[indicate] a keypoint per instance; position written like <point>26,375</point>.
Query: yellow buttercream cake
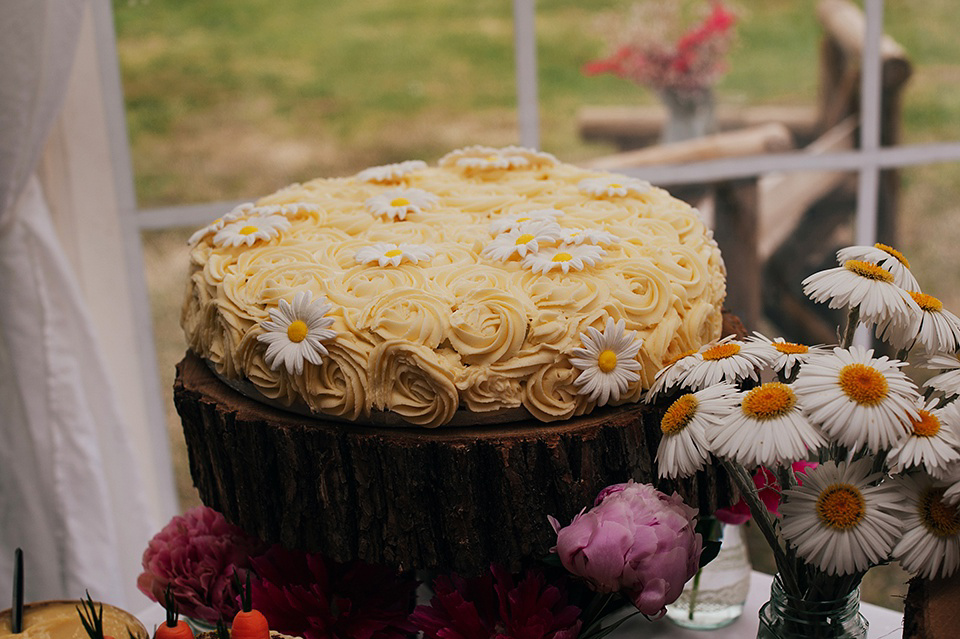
<point>498,283</point>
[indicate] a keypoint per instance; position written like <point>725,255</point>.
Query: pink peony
<point>309,596</point>
<point>496,606</point>
<point>768,489</point>
<point>197,554</point>
<point>636,540</point>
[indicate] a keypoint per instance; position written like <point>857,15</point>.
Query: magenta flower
<point>768,489</point>
<point>307,595</point>
<point>197,554</point>
<point>636,540</point>
<point>495,606</point>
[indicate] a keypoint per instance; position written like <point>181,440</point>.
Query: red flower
<point>197,554</point>
<point>767,489</point>
<point>494,606</point>
<point>307,595</point>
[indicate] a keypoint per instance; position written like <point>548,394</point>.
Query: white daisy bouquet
<point>887,478</point>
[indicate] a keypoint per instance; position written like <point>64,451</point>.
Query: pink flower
<point>767,489</point>
<point>635,539</point>
<point>495,606</point>
<point>310,596</point>
<point>197,554</point>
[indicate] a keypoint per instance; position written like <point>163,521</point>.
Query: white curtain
<point>71,494</point>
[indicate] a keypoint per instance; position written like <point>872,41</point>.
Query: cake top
<point>499,281</point>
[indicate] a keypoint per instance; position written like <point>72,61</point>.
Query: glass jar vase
<point>789,617</point>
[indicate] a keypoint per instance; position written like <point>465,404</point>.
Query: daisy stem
<point>853,319</point>
<point>594,612</point>
<point>762,517</point>
<point>879,461</point>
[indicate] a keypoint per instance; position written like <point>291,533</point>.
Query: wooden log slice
<point>447,498</point>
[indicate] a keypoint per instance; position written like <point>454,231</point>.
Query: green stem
<point>853,319</point>
<point>693,594</point>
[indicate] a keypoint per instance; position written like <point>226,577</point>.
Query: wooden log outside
<point>446,499</point>
<point>736,232</point>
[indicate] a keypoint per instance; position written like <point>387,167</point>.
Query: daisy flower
<point>783,356</point>
<point>613,186</point>
<point>238,212</point>
<point>728,360</point>
<point>863,285</point>
<point>672,374</point>
<point>389,254</point>
<point>588,236</point>
<point>485,158</point>
<point>296,332</point>
<point>839,521</point>
<point>250,230</point>
<point>683,449</point>
<point>565,258</point>
<point>516,220</point>
<point>932,441</point>
<point>882,255</point>
<point>767,429</point>
<point>857,399</point>
<point>390,173</point>
<point>930,543</point>
<point>292,208</point>
<point>947,382</point>
<point>523,240</point>
<point>938,331</point>
<point>607,362</point>
<point>396,204</point>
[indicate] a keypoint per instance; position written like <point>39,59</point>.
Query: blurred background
<point>229,100</point>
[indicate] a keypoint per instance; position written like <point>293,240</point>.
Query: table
<point>884,623</point>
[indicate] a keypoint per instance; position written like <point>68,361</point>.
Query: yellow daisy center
<point>863,384</point>
<point>841,506</point>
<point>940,518</point>
<point>894,252</point>
<point>927,303</point>
<point>523,239</point>
<point>614,185</point>
<point>927,426</point>
<point>789,348</point>
<point>562,257</point>
<point>607,361</point>
<point>769,400</point>
<point>523,219</point>
<point>393,253</point>
<point>680,413</point>
<point>399,201</point>
<point>679,357</point>
<point>297,331</point>
<point>492,158</point>
<point>721,351</point>
<point>868,271</point>
<point>247,230</point>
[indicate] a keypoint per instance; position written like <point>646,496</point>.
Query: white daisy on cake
<point>613,186</point>
<point>857,399</point>
<point>239,211</point>
<point>932,441</point>
<point>783,356</point>
<point>866,286</point>
<point>296,332</point>
<point>588,236</point>
<point>607,362</point>
<point>929,545</point>
<point>564,258</point>
<point>766,429</point>
<point>938,330</point>
<point>390,173</point>
<point>523,240</point>
<point>287,210</point>
<point>683,449</point>
<point>672,374</point>
<point>888,257</point>
<point>396,204</point>
<point>728,360</point>
<point>947,382</point>
<point>249,231</point>
<point>839,520</point>
<point>486,158</point>
<point>514,221</point>
<point>389,254</point>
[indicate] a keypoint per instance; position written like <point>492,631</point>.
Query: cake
<point>481,289</point>
<point>61,620</point>
<point>416,365</point>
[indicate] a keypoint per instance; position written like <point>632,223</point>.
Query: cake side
<point>475,308</point>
